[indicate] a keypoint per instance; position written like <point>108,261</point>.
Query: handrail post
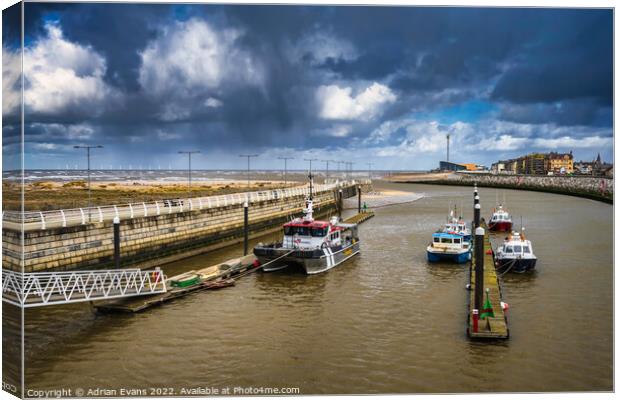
<point>64,219</point>
<point>42,221</point>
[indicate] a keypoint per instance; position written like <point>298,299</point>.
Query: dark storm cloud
<point>538,66</point>
<point>572,61</point>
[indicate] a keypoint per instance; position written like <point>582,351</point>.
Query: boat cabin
<point>517,249</point>
<point>516,245</point>
<point>302,234</point>
<point>449,240</point>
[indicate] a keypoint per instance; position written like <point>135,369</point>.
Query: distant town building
<point>559,163</point>
<point>536,164</point>
<point>595,168</point>
<point>451,166</point>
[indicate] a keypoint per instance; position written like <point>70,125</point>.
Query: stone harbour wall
<point>152,240</point>
<point>595,188</point>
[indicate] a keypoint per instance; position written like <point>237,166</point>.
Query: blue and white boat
<point>457,226</point>
<point>449,247</point>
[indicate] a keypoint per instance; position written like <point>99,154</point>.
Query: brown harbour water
<point>385,322</point>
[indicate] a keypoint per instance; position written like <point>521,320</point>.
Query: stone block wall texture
<point>148,240</point>
<point>585,186</point>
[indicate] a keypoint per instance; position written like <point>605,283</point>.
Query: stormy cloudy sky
<point>363,84</point>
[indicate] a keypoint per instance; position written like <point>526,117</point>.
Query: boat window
<point>526,249</point>
<point>517,249</point>
<point>436,240</point>
<point>446,240</point>
<point>319,232</point>
<point>457,240</point>
<point>508,249</point>
<point>289,230</point>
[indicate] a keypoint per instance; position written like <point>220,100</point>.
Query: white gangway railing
<point>35,220</point>
<point>51,288</point>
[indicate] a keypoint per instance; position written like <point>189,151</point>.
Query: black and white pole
<point>479,255</point>
<point>246,228</point>
<point>117,242</point>
<point>359,199</point>
<point>475,190</point>
<point>476,215</point>
<point>340,203</point>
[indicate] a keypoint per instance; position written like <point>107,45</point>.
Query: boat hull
<point>516,265</point>
<point>312,261</point>
<point>458,258</point>
<point>501,226</point>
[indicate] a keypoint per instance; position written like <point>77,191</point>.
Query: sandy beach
<point>384,198</point>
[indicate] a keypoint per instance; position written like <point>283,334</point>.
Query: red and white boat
<point>500,221</point>
<point>316,246</point>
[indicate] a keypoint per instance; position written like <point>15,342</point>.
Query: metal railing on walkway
<point>33,220</point>
<point>50,288</point>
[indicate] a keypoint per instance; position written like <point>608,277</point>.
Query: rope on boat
<point>262,265</point>
<point>509,268</point>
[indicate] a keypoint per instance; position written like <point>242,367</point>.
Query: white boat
<point>515,254</point>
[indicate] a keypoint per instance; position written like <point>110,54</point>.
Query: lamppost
<point>189,170</point>
<point>339,162</point>
<point>88,158</point>
<point>248,157</point>
<point>285,158</point>
<point>327,168</point>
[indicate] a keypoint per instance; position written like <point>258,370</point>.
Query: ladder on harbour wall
<point>42,220</point>
<point>45,289</point>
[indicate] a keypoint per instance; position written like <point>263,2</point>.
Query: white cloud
<point>338,103</point>
<point>45,146</point>
<point>569,142</point>
<point>339,130</point>
<point>193,58</point>
<point>11,75</point>
<point>318,47</point>
<point>501,143</point>
<point>384,131</point>
<point>213,102</point>
<point>167,135</point>
<point>60,76</point>
<point>49,131</point>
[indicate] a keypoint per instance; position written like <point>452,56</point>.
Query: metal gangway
<point>41,220</point>
<point>38,289</point>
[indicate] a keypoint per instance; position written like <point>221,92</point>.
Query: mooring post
<point>117,242</point>
<point>475,317</point>
<point>245,228</point>
<point>479,254</point>
<point>359,199</point>
<point>476,215</point>
<point>340,203</point>
<point>475,190</point>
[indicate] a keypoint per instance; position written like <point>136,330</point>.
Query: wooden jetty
<point>491,327</point>
<point>213,277</point>
<point>359,218</point>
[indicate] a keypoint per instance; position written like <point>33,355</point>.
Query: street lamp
<point>189,170</point>
<point>248,157</point>
<point>327,168</point>
<point>88,158</point>
<point>285,158</point>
